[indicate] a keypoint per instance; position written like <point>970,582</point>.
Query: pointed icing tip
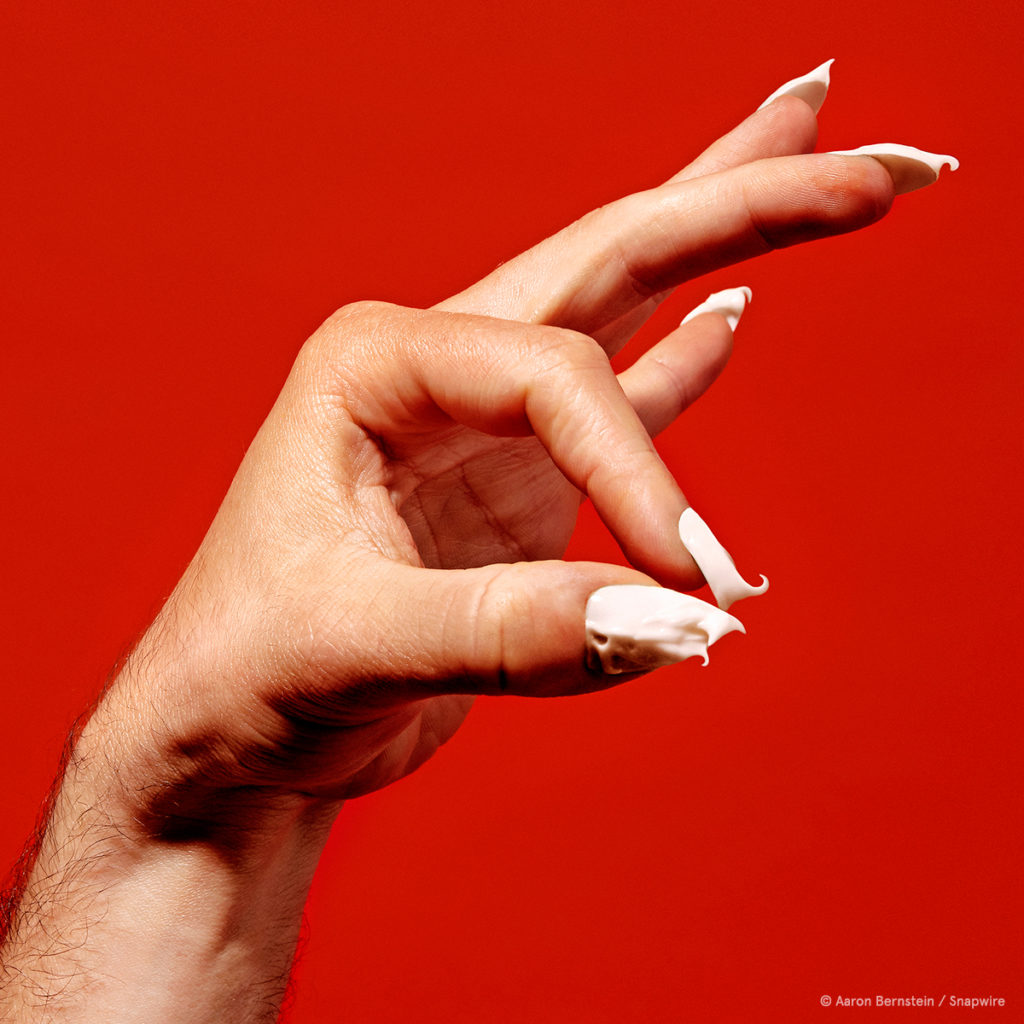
<point>715,562</point>
<point>730,302</point>
<point>909,167</point>
<point>633,628</point>
<point>812,88</point>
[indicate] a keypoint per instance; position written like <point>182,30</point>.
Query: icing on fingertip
<point>634,628</point>
<point>730,303</point>
<point>910,168</point>
<point>812,88</point>
<point>715,562</point>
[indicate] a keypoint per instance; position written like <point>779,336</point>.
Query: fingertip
<point>867,187</point>
<point>783,128</point>
<point>655,550</point>
<point>790,118</point>
<point>705,346</point>
<point>815,196</point>
<point>672,375</point>
<point>538,609</point>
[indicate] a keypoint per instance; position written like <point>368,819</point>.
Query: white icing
<point>715,562</point>
<point>636,628</point>
<point>812,87</point>
<point>730,303</point>
<point>910,168</point>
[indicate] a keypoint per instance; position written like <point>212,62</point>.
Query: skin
<point>389,549</point>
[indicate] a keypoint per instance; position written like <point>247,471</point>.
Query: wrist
<point>147,878</point>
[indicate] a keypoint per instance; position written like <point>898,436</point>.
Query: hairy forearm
<point>134,911</point>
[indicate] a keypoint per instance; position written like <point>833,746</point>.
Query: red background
<point>833,806</point>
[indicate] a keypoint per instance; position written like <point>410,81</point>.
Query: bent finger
<point>514,380</point>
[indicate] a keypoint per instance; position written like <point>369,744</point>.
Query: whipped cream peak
<point>715,562</point>
<point>910,168</point>
<point>730,302</point>
<point>812,87</point>
<point>634,628</point>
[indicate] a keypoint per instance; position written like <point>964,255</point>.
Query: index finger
<point>504,379</point>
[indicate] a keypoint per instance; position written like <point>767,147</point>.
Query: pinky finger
<point>672,375</point>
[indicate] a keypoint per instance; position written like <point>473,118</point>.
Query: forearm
<point>133,911</point>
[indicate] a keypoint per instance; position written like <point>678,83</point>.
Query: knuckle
<point>605,232</point>
<point>337,341</point>
<point>559,348</point>
<point>368,310</point>
<point>499,601</point>
<point>486,607</point>
<point>365,318</point>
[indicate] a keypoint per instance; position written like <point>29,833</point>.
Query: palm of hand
<point>475,500</point>
<point>469,500</point>
<point>435,493</point>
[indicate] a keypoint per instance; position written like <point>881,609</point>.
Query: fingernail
<point>715,562</point>
<point>730,303</point>
<point>635,628</point>
<point>812,87</point>
<point>910,168</point>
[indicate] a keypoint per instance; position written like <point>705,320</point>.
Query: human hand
<point>389,546</point>
<point>389,549</point>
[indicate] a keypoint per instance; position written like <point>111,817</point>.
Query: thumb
<point>515,628</point>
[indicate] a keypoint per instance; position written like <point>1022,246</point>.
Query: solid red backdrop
<point>832,807</point>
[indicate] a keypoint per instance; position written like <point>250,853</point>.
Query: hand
<point>387,550</point>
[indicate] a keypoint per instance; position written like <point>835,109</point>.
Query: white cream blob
<point>812,87</point>
<point>910,168</point>
<point>715,562</point>
<point>730,303</point>
<point>637,628</point>
<point>632,628</point>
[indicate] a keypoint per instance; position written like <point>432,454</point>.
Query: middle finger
<point>619,256</point>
